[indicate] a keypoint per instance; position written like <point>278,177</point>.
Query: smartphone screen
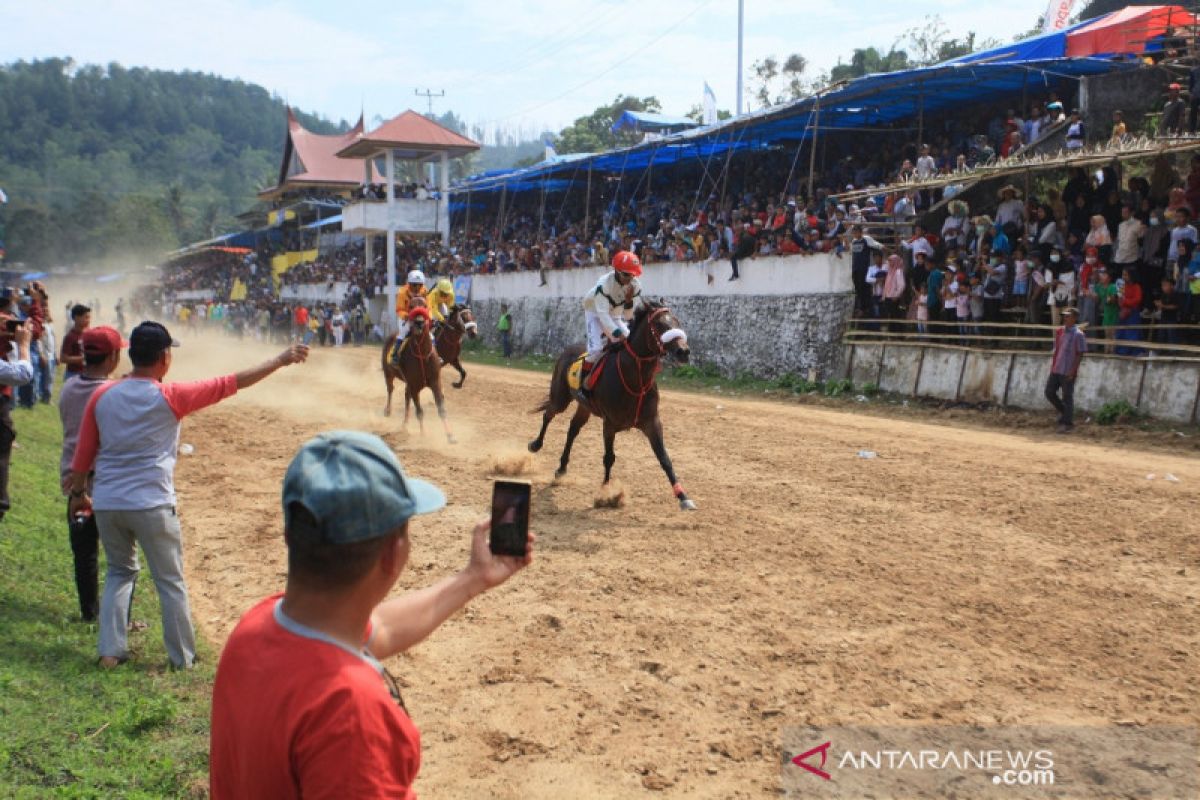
<point>510,518</point>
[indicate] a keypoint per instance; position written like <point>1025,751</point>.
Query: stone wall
<point>786,315</point>
<point>764,335</point>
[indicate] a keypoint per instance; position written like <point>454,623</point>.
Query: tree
<point>869,61</point>
<point>777,82</point>
<point>1098,8</point>
<point>593,133</point>
<point>930,43</point>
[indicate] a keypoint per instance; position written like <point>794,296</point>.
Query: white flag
<point>710,105</point>
<point>3,197</point>
<point>550,153</point>
<point>1057,15</point>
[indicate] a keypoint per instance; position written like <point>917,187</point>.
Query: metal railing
<point>1151,342</point>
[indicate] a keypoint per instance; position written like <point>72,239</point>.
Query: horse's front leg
<point>391,380</point>
<point>461,372</point>
<point>407,404</point>
<point>440,400</point>
<point>654,432</point>
<point>420,412</point>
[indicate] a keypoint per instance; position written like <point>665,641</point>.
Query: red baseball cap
<point>102,340</point>
<point>1091,251</point>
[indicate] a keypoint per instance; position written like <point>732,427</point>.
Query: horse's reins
<point>646,385</point>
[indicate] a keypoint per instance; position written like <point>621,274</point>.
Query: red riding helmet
<point>627,261</point>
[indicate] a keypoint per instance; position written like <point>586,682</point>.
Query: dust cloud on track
<point>963,576</point>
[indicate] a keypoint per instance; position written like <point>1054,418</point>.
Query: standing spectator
<point>1172,115</point>
<point>1129,238</point>
<point>861,246</point>
<point>29,302</point>
<point>102,355</point>
<point>337,324</point>
<point>71,354</point>
<point>747,245</point>
<point>1183,230</point>
<point>129,436</point>
<point>301,328</point>
<point>1168,305</point>
<point>1110,308</point>
<point>1129,297</point>
<point>302,706</point>
<point>895,289</point>
<point>14,335</point>
<point>504,325</point>
<point>1069,346</point>
<point>1075,134</point>
<point>1118,130</point>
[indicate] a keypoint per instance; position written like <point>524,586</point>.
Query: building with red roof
<point>311,162</point>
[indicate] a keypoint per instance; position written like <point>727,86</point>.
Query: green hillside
<point>109,165</point>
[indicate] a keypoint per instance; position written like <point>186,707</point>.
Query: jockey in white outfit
<point>611,304</point>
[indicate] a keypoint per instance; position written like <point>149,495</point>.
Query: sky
<point>530,65</point>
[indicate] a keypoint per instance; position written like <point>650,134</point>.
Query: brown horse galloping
<point>626,395</point>
<point>419,367</point>
<point>459,322</point>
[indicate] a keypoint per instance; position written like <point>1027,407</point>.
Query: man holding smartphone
<point>302,706</point>
<point>14,336</point>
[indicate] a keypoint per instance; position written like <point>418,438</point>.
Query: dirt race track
<point>962,576</point>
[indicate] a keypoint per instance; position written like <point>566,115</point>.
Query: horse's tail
<point>559,396</point>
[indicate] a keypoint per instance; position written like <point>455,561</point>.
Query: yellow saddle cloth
<point>574,373</point>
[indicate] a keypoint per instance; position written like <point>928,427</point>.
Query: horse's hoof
<point>535,446</point>
<point>558,473</point>
<point>686,505</point>
<point>457,385</point>
<point>451,439</point>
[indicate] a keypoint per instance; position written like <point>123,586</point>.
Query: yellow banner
<point>238,292</point>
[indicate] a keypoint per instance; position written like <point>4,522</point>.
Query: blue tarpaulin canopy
<point>645,122</point>
<point>871,102</point>
<point>321,223</point>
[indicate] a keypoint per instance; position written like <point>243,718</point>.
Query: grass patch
<point>1117,412</point>
<point>68,729</point>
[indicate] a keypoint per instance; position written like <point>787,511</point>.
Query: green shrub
<point>838,388</point>
<point>1117,412</point>
<point>869,389</point>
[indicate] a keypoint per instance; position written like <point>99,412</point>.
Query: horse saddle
<point>575,372</point>
<point>398,349</point>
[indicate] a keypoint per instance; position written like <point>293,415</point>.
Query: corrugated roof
<point>409,131</point>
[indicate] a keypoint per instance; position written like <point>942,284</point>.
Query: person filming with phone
<point>302,706</point>
<point>16,369</point>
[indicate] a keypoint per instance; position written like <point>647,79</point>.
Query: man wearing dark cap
<point>1069,346</point>
<point>101,349</point>
<point>128,436</point>
<point>302,706</point>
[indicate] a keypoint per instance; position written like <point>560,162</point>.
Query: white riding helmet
<point>416,276</point>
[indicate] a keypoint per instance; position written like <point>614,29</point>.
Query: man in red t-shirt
<point>301,705</point>
<point>71,354</point>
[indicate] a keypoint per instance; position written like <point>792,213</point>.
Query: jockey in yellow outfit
<point>441,300</point>
<point>414,288</point>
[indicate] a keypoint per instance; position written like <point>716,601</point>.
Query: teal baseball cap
<point>353,486</point>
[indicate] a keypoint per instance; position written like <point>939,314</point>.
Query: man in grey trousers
<point>129,435</point>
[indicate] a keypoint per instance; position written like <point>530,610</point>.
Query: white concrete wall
<point>195,294</point>
<point>770,275</point>
<point>410,216</point>
<point>1164,389</point>
<point>315,292</point>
